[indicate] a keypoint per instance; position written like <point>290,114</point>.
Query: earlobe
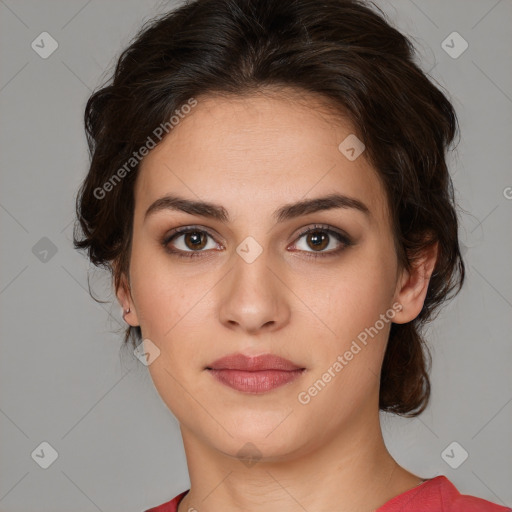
<point>413,285</point>
<point>125,300</point>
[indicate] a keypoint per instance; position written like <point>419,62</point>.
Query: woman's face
<point>251,283</point>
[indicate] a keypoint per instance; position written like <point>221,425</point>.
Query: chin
<point>267,445</point>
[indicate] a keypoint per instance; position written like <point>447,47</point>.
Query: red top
<point>437,494</point>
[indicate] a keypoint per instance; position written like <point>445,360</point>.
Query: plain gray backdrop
<point>63,378</point>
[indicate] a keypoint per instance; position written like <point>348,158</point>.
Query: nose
<point>253,297</point>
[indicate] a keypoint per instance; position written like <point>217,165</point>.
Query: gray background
<point>63,378</point>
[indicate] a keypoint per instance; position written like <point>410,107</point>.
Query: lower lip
<point>256,381</point>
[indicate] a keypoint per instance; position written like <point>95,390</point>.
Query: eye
<point>320,238</point>
<point>188,242</point>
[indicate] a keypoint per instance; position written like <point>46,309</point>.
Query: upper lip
<point>253,363</point>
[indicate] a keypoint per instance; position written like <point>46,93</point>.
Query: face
<point>254,282</point>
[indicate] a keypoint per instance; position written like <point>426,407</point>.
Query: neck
<point>352,472</point>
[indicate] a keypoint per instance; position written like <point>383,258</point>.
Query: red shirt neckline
<point>437,494</point>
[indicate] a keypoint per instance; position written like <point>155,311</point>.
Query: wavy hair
<point>342,50</point>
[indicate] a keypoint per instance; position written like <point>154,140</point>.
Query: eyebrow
<point>284,213</point>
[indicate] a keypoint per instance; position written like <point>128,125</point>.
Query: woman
<point>268,187</point>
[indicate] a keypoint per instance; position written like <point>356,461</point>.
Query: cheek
<point>172,308</point>
<point>158,291</point>
<point>355,298</point>
<point>353,306</point>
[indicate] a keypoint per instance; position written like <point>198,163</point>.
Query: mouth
<point>255,375</point>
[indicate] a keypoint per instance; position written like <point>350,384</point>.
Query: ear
<point>123,293</point>
<point>412,285</point>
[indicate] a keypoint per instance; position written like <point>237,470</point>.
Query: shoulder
<point>169,506</point>
<point>465,503</point>
<point>439,494</point>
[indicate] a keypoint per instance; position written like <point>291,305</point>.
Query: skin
<point>252,155</point>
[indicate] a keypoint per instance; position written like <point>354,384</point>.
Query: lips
<point>252,364</point>
<point>257,374</point>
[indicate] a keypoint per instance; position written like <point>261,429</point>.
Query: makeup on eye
<point>318,234</point>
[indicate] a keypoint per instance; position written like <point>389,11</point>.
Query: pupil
<point>197,239</point>
<point>318,239</point>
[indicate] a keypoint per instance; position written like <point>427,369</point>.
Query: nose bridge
<point>251,263</point>
<point>252,296</point>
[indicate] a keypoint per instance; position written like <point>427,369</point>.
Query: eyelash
<point>344,239</point>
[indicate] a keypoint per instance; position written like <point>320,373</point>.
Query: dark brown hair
<point>341,50</point>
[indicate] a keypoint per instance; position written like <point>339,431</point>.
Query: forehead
<point>269,147</point>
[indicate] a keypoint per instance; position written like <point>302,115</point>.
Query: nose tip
<point>253,298</point>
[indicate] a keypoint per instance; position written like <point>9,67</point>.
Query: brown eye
<point>195,240</point>
<point>317,240</point>
<point>322,241</point>
<point>188,242</point>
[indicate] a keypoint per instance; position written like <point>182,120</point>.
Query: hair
<point>343,51</point>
